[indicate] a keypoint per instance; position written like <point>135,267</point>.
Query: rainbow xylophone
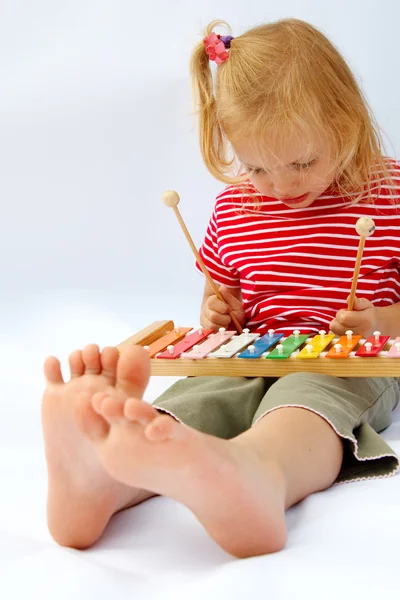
<point>187,351</point>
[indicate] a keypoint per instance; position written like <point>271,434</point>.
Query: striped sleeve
<point>222,274</point>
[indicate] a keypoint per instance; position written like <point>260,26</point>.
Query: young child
<point>281,243</point>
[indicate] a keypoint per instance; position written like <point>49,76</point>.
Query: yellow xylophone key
<point>163,342</point>
<point>344,346</point>
<point>316,345</point>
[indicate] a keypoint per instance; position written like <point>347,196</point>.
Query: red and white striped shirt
<point>295,266</point>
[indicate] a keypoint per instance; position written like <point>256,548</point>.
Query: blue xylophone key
<point>261,345</point>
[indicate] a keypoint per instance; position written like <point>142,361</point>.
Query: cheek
<point>319,180</point>
<point>260,182</point>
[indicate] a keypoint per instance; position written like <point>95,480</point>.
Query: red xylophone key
<point>373,345</point>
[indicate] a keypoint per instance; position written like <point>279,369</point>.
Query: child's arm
<point>215,313</point>
<point>367,318</point>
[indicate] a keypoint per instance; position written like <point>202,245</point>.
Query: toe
<point>52,370</point>
<point>111,407</point>
<point>89,422</point>
<point>133,371</point>
<point>162,428</point>
<point>76,364</point>
<point>91,359</point>
<point>137,410</point>
<point>97,400</point>
<point>109,360</point>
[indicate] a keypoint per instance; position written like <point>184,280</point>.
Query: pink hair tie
<point>216,47</point>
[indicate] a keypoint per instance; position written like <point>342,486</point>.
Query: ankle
<point>267,463</point>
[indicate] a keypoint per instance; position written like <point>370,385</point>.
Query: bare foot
<point>238,498</point>
<point>82,495</point>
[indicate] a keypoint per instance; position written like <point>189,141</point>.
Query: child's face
<point>296,174</point>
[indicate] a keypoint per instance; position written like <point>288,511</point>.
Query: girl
<point>281,242</point>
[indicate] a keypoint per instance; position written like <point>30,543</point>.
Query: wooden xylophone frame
<point>380,366</point>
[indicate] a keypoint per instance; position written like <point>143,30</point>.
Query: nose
<point>285,185</point>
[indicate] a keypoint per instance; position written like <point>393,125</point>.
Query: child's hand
<point>215,313</point>
<point>362,320</point>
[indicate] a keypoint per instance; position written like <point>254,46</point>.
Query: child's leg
<point>239,488</point>
<point>306,448</point>
<point>247,484</point>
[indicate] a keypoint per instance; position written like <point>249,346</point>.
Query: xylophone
<point>187,351</point>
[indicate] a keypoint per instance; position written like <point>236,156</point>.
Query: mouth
<point>297,200</point>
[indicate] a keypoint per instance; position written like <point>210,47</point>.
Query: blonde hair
<point>282,78</point>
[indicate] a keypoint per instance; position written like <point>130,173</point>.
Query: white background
<point>96,122</point>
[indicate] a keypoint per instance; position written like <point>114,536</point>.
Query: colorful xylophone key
<point>373,345</point>
<point>317,345</point>
<point>215,340</point>
<point>344,346</point>
<point>186,344</point>
<point>261,345</point>
<point>289,345</point>
<point>238,342</point>
<point>170,338</point>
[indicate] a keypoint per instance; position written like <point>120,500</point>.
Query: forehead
<point>277,152</point>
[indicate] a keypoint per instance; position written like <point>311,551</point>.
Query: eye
<point>255,170</point>
<point>304,166</point>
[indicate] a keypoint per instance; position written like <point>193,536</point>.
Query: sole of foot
<point>82,495</point>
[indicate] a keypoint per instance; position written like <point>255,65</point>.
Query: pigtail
<point>213,143</point>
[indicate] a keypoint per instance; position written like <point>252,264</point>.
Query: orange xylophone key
<point>170,338</point>
<point>343,346</point>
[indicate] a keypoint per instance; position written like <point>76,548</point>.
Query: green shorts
<point>356,408</point>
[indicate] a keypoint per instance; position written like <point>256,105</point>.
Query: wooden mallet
<point>364,227</point>
<point>171,199</point>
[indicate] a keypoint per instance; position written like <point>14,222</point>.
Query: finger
<point>206,323</point>
<point>216,319</point>
<point>217,305</point>
<point>350,318</point>
<point>362,304</point>
<point>337,328</point>
<point>232,301</point>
